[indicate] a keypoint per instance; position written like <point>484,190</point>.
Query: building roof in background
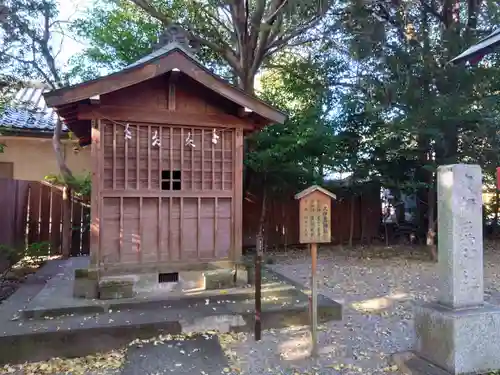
<point>478,50</point>
<point>26,109</point>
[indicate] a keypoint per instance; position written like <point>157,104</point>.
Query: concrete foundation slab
<point>411,364</point>
<point>78,327</point>
<point>461,341</point>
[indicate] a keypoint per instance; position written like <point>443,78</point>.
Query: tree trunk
<point>66,223</point>
<point>68,179</point>
<point>495,219</point>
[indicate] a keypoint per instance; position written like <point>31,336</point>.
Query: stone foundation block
<point>242,277</point>
<point>191,280</point>
<point>85,284</point>
<point>219,279</point>
<point>461,341</point>
<point>116,288</point>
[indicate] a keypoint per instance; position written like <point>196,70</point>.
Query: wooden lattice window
<point>170,180</point>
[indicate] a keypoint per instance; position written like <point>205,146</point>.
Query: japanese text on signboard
<point>315,220</point>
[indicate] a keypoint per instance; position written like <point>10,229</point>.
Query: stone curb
<point>410,364</point>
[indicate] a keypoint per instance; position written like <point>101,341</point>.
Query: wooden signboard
<point>315,227</point>
<point>315,215</point>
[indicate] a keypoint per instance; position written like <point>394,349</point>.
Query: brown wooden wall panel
<point>149,234</point>
<point>150,94</point>
<point>175,229</point>
<point>112,244</point>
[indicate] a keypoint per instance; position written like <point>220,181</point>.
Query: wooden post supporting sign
<point>315,227</point>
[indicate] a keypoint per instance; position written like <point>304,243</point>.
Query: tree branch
<point>282,40</point>
<point>152,11</point>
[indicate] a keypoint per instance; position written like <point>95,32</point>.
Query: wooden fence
<point>31,212</point>
<point>13,209</point>
<point>282,217</point>
<point>35,215</point>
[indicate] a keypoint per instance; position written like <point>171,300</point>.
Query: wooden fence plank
<point>56,221</point>
<point>13,202</point>
<point>34,213</point>
<point>45,193</point>
<point>76,226</point>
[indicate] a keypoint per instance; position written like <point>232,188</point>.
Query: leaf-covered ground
<point>375,286</point>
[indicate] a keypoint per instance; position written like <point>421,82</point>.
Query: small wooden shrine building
<point>167,151</point>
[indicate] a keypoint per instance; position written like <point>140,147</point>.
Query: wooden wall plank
<point>222,157</point>
<point>181,226</point>
<point>198,228</point>
<point>114,156</point>
<point>141,232</point>
<point>182,163</point>
<point>170,242</point>
<point>216,227</point>
<point>45,198</point>
<point>120,248</point>
<point>149,157</point>
<point>238,197</point>
<point>212,167</point>
<point>100,167</point>
<point>202,159</point>
<point>125,155</point>
<point>138,159</point>
<point>160,160</point>
<point>160,231</point>
<point>95,203</point>
<point>192,162</point>
<point>171,158</point>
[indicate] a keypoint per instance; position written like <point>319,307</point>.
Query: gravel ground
<point>376,287</point>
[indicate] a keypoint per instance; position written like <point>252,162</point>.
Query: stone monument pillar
<point>459,332</point>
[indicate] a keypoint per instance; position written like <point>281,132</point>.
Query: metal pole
<point>314,301</point>
<point>258,287</point>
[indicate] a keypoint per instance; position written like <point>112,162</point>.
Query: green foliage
<point>82,185</point>
<point>120,34</point>
<point>428,112</point>
<point>31,255</point>
<point>299,152</point>
<point>29,34</point>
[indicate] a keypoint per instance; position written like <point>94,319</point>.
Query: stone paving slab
<point>198,355</point>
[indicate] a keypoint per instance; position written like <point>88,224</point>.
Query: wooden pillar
<point>238,196</point>
<point>94,198</point>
